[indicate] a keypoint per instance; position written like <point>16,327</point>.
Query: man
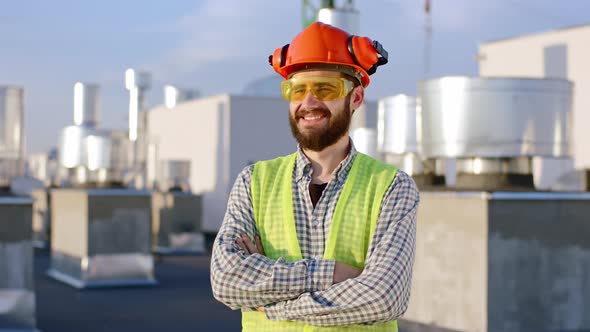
<point>322,239</point>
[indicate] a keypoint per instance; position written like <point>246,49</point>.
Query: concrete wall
<point>561,53</point>
<point>450,271</point>
<point>539,265</point>
<point>501,262</point>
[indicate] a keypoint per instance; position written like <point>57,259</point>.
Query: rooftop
<point>181,302</point>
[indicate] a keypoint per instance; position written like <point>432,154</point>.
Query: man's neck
<point>324,162</point>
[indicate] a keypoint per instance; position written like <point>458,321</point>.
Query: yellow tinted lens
<point>294,90</point>
<point>298,92</point>
<point>327,90</point>
<point>286,89</point>
<point>322,88</point>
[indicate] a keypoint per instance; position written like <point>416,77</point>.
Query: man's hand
<point>344,271</point>
<point>246,244</point>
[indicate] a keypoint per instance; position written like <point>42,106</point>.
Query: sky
<point>219,46</point>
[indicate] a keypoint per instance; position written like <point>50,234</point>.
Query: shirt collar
<point>303,165</point>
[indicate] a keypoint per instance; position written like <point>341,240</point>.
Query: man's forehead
<point>320,73</point>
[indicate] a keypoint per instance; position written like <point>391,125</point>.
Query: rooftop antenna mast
<point>427,38</point>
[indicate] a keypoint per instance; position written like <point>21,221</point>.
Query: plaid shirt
<point>302,290</point>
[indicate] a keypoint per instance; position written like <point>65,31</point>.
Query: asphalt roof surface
<point>181,302</point>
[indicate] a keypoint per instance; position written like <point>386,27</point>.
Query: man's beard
<point>318,139</point>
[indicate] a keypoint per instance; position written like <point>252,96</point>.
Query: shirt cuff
<point>320,274</point>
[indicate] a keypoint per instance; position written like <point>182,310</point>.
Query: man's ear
<point>357,97</point>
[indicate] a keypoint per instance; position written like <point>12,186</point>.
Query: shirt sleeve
<point>382,292</point>
<point>248,281</point>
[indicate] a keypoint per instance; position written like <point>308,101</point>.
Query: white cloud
<point>232,31</point>
<point>222,45</point>
<point>446,15</point>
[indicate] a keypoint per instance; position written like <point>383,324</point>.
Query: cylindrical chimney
<point>137,83</point>
<point>86,105</point>
<point>11,133</point>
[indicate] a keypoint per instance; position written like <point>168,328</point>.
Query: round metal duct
<point>72,146</point>
<point>93,156</point>
<point>467,117</point>
<point>98,149</point>
<point>396,125</point>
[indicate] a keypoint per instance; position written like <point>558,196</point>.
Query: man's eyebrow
<point>324,83</point>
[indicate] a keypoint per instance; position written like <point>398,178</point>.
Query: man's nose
<point>310,101</point>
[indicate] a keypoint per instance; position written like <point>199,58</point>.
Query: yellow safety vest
<point>350,232</point>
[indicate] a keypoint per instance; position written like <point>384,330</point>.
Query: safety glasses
<point>322,88</point>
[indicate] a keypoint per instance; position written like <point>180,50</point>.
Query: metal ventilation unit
<point>398,138</point>
<point>100,230</point>
<point>494,126</point>
<point>505,244</point>
<point>174,175</point>
<point>176,211</point>
<point>92,157</point>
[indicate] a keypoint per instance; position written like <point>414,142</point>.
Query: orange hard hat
<point>322,45</point>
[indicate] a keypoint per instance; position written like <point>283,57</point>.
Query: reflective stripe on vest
<point>350,232</point>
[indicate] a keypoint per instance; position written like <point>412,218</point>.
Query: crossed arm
<point>242,280</point>
<point>311,290</point>
<point>342,271</point>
